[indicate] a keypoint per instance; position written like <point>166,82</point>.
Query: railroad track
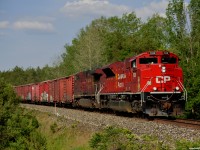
<point>189,123</point>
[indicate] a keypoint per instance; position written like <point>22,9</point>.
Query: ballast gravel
<point>166,133</point>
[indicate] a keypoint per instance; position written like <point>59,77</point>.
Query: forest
<point>106,40</point>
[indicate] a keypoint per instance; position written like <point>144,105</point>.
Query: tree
<point>194,84</point>
<point>183,38</point>
<point>68,57</point>
<point>194,13</point>
<point>86,51</point>
<point>17,128</point>
<point>176,27</point>
<point>90,49</point>
<point>152,35</point>
<point>121,37</point>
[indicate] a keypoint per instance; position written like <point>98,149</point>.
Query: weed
<point>53,127</point>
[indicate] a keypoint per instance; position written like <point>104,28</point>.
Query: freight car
<point>150,83</point>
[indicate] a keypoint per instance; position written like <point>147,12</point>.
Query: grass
<point>62,134</point>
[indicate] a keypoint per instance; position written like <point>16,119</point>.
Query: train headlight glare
<point>163,69</point>
<point>177,88</point>
<point>154,88</point>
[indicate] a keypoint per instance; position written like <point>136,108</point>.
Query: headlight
<point>163,69</point>
<point>154,88</point>
<point>177,88</point>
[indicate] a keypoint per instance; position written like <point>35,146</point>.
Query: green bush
<point>186,145</point>
<point>18,129</point>
<point>113,138</point>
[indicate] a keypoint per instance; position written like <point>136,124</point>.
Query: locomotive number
<point>162,79</point>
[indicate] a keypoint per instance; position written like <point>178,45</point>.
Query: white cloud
<point>82,8</point>
<point>4,24</point>
<point>152,8</point>
<point>33,25</point>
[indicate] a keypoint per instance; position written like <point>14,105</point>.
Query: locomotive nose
<point>163,79</point>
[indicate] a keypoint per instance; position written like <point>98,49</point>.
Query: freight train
<point>150,83</point>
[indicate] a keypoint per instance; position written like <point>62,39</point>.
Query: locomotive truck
<point>150,83</point>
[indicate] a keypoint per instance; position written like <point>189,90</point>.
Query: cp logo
<point>162,79</point>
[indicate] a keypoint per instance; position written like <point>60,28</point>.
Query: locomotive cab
<point>161,84</point>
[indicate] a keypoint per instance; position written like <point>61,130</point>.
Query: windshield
<point>168,60</point>
<point>148,60</point>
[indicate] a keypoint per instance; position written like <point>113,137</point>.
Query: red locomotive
<point>149,83</point>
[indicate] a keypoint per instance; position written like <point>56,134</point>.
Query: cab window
<point>148,60</point>
<point>168,60</point>
<point>133,64</point>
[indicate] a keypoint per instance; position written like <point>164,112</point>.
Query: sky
<point>34,32</point>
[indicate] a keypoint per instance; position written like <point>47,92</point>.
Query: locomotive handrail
<point>144,88</point>
<point>97,92</point>
<point>184,89</point>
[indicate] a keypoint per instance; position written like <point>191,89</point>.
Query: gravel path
<point>164,132</point>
